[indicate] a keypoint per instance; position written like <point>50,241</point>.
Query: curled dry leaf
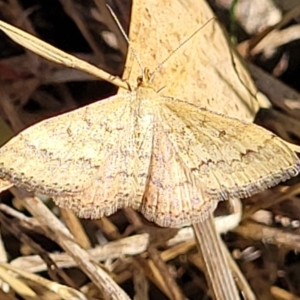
<point>205,71</point>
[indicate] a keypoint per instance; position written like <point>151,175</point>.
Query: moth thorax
<point>144,103</point>
<point>146,93</point>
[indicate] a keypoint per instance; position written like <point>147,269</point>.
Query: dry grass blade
<point>130,246</point>
<point>75,228</point>
<point>269,235</point>
<point>24,290</point>
<point>56,231</point>
<point>240,279</point>
<point>216,263</point>
<point>166,279</point>
<point>16,284</point>
<point>54,272</point>
<point>281,294</point>
<point>53,54</point>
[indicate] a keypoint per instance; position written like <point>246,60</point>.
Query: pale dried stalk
<point>167,279</point>
<point>275,236</point>
<point>17,285</point>
<point>282,294</point>
<point>24,290</point>
<point>240,279</point>
<point>76,228</point>
<point>58,56</point>
<point>216,264</point>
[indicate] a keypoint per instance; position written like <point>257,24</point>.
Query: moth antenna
<point>159,66</point>
<point>126,38</point>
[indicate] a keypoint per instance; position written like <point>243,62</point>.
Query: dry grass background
<point>265,245</point>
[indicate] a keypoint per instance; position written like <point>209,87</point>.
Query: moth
<point>165,157</point>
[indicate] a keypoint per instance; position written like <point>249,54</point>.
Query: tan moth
<point>163,156</point>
